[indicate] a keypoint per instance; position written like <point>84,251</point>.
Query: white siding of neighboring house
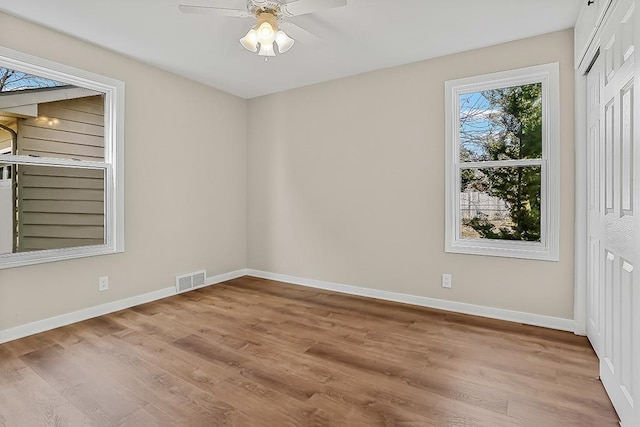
<point>61,207</point>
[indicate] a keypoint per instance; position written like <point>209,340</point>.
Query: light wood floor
<point>252,352</point>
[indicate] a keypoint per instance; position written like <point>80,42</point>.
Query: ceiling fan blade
<point>211,10</point>
<point>302,35</point>
<point>301,7</point>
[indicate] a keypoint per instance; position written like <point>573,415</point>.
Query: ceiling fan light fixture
<point>250,41</point>
<point>266,49</point>
<point>268,15</point>
<point>267,27</point>
<point>283,41</point>
<point>266,33</point>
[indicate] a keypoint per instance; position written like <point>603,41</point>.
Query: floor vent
<point>190,281</point>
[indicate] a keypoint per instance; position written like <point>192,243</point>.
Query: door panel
<point>615,232</point>
<point>626,155</point>
<point>594,317</point>
<point>612,317</point>
<point>609,310</point>
<point>609,167</point>
<point>626,338</point>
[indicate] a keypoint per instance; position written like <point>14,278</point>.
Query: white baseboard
<point>458,307</point>
<point>224,277</point>
<point>102,309</point>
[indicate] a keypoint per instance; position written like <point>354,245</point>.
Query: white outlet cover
<point>103,283</point>
<point>446,281</point>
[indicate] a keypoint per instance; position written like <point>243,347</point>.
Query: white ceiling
<point>365,35</point>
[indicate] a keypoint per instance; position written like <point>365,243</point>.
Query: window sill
<point>522,250</point>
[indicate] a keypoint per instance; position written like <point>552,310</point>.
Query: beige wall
<point>185,186</point>
<point>346,184</point>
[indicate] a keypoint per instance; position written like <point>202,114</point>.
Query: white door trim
<point>580,249</point>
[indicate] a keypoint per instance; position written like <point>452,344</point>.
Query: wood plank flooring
<point>254,352</point>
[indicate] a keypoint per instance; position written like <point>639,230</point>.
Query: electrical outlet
<point>446,281</point>
<point>103,283</point>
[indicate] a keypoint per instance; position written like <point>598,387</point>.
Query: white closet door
<point>595,291</point>
<point>611,318</point>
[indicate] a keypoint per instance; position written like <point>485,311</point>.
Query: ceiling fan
<point>269,15</point>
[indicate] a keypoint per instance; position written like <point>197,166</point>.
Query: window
<point>61,176</point>
<point>502,152</point>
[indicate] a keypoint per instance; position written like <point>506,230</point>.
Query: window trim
<point>113,164</point>
<point>548,247</point>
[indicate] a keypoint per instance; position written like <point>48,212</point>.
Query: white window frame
<point>547,248</point>
<point>113,164</point>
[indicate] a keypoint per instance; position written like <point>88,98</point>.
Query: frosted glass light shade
<point>266,49</point>
<point>250,41</point>
<point>266,33</point>
<point>283,41</point>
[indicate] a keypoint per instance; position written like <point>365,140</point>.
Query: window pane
<point>500,203</point>
<point>17,81</point>
<point>46,118</point>
<point>50,207</point>
<point>501,124</point>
